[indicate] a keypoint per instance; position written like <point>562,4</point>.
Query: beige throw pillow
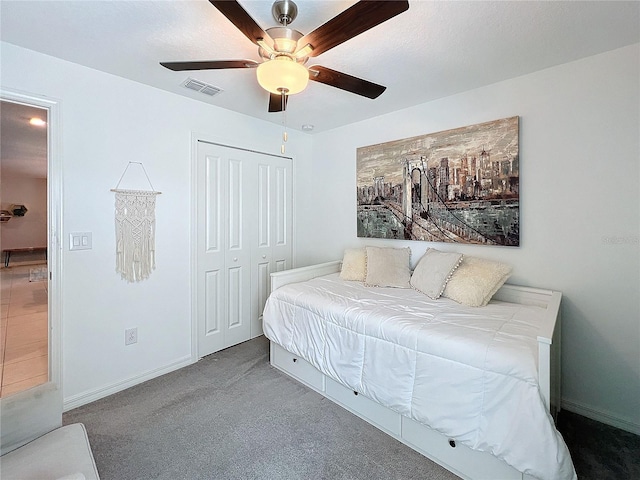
<point>388,267</point>
<point>434,271</point>
<point>354,264</point>
<point>476,280</point>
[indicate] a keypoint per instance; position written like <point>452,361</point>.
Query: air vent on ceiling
<point>201,87</point>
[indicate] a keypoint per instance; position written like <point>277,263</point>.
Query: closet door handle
<point>264,256</point>
<point>235,259</point>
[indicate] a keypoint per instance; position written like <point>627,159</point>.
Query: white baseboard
<point>78,400</point>
<point>600,416</point>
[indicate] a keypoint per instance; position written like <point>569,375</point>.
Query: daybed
<point>473,389</point>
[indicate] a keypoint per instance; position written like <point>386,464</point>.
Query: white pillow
<point>434,271</point>
<point>354,264</point>
<point>475,281</point>
<point>388,267</point>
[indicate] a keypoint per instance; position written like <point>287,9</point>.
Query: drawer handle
<point>295,360</point>
<point>264,256</point>
<point>452,443</point>
<point>355,393</point>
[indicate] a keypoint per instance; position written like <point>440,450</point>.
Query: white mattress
<point>467,372</point>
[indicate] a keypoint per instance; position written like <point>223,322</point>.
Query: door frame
<point>197,137</point>
<point>51,415</point>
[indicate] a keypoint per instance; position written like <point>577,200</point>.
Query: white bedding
<point>467,372</point>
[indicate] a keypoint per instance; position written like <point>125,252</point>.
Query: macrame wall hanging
<point>135,230</point>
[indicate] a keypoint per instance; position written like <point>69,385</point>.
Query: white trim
<point>32,412</point>
<point>91,396</point>
<point>294,224</point>
<point>56,242</point>
<point>193,231</point>
<point>600,416</point>
<point>54,221</point>
<point>302,274</point>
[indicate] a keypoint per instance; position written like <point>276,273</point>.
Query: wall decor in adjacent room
<point>459,185</point>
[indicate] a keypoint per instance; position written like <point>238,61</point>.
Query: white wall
<point>31,229</point>
<point>107,121</point>
<point>580,210</point>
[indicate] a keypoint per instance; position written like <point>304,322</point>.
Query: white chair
<point>62,454</point>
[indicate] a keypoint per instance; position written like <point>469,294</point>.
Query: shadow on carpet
<point>233,416</point>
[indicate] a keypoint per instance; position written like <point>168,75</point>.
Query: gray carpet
<point>233,416</point>
<point>600,452</point>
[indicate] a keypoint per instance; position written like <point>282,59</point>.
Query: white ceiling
<point>23,147</point>
<point>435,49</point>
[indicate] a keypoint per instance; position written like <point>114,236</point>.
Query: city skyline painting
<point>459,185</point>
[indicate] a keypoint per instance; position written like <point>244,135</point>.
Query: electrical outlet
<point>130,336</point>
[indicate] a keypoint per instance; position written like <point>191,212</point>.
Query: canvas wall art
<point>459,185</point>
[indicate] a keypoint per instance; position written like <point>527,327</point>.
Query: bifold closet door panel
<point>240,193</point>
<point>282,234</point>
<point>272,248</point>
<point>210,263</point>
<point>261,249</point>
<point>223,247</point>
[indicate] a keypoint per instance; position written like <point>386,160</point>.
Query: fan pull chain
<point>283,99</point>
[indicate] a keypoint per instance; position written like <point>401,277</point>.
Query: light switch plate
<point>80,241</point>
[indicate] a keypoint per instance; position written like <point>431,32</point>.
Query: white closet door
<point>224,228</point>
<point>238,247</point>
<point>210,283</point>
<point>282,233</point>
<point>272,249</point>
<point>261,248</point>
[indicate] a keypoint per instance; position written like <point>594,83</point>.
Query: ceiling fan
<point>284,51</point>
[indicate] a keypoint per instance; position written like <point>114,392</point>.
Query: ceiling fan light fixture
<point>285,40</point>
<point>287,45</point>
<point>282,74</point>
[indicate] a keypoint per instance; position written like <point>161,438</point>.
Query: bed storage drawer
<point>373,412</point>
<point>454,456</point>
<point>297,367</point>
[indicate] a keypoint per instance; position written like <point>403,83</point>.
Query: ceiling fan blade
<point>346,82</point>
<point>209,65</point>
<point>358,18</point>
<point>241,19</point>
<point>275,102</point>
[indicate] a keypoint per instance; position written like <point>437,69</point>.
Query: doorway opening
<point>24,277</point>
